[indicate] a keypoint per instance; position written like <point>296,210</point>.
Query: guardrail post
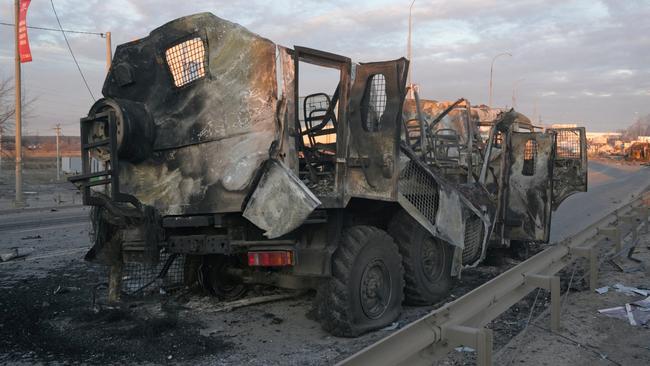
<point>646,214</point>
<point>552,284</point>
<point>630,219</point>
<point>592,255</point>
<point>614,234</point>
<point>478,338</point>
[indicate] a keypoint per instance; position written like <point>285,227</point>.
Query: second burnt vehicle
<point>209,152</point>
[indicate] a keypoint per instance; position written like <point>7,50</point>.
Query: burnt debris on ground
<point>39,325</point>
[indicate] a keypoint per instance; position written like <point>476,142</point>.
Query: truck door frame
<point>373,157</point>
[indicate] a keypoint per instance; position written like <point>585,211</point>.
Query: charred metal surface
<point>210,137</point>
<point>280,202</point>
<point>445,208</point>
<point>203,157</point>
<point>528,186</point>
<point>570,163</point>
<point>375,122</point>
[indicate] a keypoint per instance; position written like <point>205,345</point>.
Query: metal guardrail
<point>462,321</point>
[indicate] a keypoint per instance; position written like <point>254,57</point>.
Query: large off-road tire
<point>365,290</point>
<point>427,261</point>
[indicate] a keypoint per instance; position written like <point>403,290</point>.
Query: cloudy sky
<point>574,61</point>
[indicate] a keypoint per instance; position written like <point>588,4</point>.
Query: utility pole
<point>19,202</point>
<point>409,54</point>
<point>109,51</point>
<point>492,72</point>
<point>1,130</point>
<point>58,152</point>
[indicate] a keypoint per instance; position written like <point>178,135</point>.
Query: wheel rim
<point>433,259</point>
<point>375,289</point>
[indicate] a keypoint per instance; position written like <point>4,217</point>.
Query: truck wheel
<point>217,280</point>
<point>365,289</point>
<point>427,261</point>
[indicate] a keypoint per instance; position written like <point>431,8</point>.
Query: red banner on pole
<point>23,41</point>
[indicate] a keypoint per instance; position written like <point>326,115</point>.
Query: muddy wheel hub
<point>375,289</point>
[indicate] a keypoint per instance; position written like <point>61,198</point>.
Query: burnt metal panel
<point>570,163</point>
<point>210,136</point>
<point>447,210</point>
<point>374,127</point>
<point>187,221</point>
<point>280,202</point>
<point>199,244</point>
<point>528,190</point>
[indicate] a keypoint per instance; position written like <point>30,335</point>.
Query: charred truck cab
<point>209,152</point>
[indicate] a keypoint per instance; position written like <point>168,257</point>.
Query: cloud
<point>573,54</point>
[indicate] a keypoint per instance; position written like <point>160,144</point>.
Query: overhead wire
<point>57,30</point>
<point>71,52</point>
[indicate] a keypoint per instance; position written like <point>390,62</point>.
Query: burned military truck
<point>211,153</point>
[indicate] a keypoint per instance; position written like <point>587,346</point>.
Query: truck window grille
<point>530,157</point>
<point>186,61</point>
<point>374,103</point>
<point>420,189</point>
<point>567,144</point>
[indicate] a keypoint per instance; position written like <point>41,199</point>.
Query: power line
<point>58,30</point>
<point>70,49</point>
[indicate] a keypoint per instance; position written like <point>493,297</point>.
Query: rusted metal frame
<point>488,153</point>
<point>418,342</point>
<point>421,119</point>
<point>111,174</point>
<point>344,65</point>
<point>470,142</point>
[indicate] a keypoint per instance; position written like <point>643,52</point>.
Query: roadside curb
<point>33,209</point>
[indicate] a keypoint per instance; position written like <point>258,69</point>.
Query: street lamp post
<point>408,52</point>
<point>492,72</point>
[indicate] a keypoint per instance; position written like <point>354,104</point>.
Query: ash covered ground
<point>52,308</point>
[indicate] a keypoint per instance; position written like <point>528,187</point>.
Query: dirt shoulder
<point>586,336</point>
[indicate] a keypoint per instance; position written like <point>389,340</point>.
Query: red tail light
<point>270,259</point>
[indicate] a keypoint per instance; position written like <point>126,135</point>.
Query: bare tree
<point>7,104</point>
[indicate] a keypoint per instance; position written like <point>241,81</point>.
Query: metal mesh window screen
<point>530,157</point>
<point>374,102</point>
<point>420,189</point>
<point>137,275</point>
<point>567,144</point>
<point>473,239</point>
<point>186,61</point>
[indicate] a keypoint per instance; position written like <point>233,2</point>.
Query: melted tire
<point>366,263</point>
<point>422,288</point>
<point>217,281</point>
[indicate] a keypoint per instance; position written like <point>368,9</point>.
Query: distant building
<point>603,143</point>
<point>564,125</point>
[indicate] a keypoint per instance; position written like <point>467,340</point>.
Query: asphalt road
<point>610,186</point>
<point>60,239</point>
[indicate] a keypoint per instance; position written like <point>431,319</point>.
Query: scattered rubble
<point>636,313</point>
<point>15,253</point>
<point>630,291</point>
